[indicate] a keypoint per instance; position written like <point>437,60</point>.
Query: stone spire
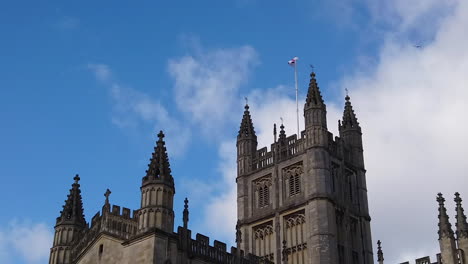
<point>70,223</point>
<point>350,132</point>
<point>246,144</point>
<point>315,116</point>
<point>185,214</point>
<point>159,168</point>
<point>462,228</point>
<point>380,257</point>
<point>350,121</point>
<point>72,212</point>
<point>157,192</point>
<point>446,237</point>
<point>246,130</point>
<point>462,225</point>
<point>314,97</point>
<point>445,228</point>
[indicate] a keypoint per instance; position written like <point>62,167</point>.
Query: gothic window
<point>262,190</point>
<point>340,254</point>
<point>355,257</point>
<point>293,179</point>
<point>264,241</point>
<point>295,235</point>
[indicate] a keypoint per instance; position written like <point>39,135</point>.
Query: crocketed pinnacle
<point>246,128</point>
<point>349,117</point>
<point>185,214</point>
<point>73,209</point>
<point>445,228</point>
<point>282,135</point>
<point>462,226</point>
<point>159,163</point>
<point>379,251</point>
<point>314,97</point>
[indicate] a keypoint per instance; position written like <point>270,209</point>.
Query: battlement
<point>293,146</point>
<point>426,260</point>
<point>120,224</point>
<point>200,248</point>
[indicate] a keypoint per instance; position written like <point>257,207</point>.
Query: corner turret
<point>157,192</point>
<point>68,225</point>
<point>350,132</point>
<point>315,116</point>
<point>246,144</point>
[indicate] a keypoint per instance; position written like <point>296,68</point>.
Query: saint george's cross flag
<point>292,62</point>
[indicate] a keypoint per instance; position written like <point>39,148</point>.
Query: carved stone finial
<point>185,217</point>
<point>107,194</point>
<point>380,257</point>
<point>284,253</point>
<point>238,234</point>
<point>76,178</point>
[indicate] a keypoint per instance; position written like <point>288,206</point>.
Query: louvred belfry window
<point>262,191</point>
<point>293,179</point>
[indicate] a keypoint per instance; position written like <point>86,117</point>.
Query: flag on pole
<point>292,62</point>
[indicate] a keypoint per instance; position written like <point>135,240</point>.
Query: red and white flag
<point>292,62</point>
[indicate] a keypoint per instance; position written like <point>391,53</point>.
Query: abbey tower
<point>305,200</point>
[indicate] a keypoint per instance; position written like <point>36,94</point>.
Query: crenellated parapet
<point>425,260</point>
<point>121,224</point>
<point>200,248</point>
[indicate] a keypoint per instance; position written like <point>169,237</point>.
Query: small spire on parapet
<point>185,217</point>
<point>282,135</point>
<point>445,228</point>
<point>462,225</point>
<point>380,257</point>
<point>274,132</point>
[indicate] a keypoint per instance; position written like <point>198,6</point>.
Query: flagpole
<point>297,103</point>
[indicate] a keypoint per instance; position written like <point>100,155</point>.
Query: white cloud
<point>412,109</point>
<point>207,84</point>
<point>412,106</point>
<point>102,72</point>
<point>29,241</point>
<point>132,108</point>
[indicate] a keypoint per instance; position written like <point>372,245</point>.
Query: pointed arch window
<point>262,187</point>
<point>293,178</point>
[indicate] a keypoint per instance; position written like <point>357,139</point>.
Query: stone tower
<point>68,226</point>
<point>305,200</point>
<point>157,192</point>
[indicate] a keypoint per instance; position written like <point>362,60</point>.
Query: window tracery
<point>295,237</point>
<point>264,241</point>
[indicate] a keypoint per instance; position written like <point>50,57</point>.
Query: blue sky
<point>85,87</point>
